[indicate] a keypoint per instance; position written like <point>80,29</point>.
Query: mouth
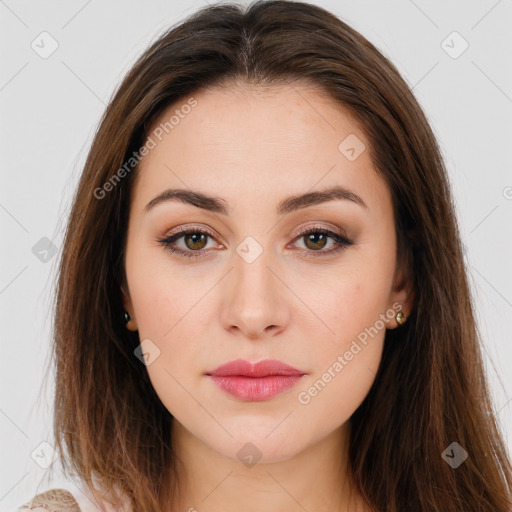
<point>255,382</point>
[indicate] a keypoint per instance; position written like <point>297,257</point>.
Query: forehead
<point>250,144</point>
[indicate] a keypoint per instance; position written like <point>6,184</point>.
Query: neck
<point>316,478</point>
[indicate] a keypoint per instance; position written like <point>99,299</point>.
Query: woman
<point>262,302</point>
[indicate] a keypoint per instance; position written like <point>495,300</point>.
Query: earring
<point>128,322</point>
<point>400,318</point>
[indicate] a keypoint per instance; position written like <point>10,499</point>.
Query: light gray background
<point>50,109</point>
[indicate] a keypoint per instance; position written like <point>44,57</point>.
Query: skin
<point>254,148</point>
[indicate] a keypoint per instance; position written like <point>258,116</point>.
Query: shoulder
<point>52,500</point>
<point>80,499</point>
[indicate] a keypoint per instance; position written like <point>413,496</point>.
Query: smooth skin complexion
<point>300,301</point>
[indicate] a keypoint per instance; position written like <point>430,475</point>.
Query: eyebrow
<point>288,205</point>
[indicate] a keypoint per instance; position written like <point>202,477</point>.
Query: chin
<point>259,445</point>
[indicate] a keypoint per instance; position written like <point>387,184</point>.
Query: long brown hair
<point>430,390</point>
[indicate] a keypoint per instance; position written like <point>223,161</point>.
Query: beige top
<point>65,500</point>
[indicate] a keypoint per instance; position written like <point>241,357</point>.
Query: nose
<point>255,303</point>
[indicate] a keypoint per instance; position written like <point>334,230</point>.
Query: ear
<point>128,307</point>
<point>402,295</point>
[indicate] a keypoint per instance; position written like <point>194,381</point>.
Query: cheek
<point>170,306</point>
<point>169,314</point>
<point>346,361</point>
<point>331,396</point>
<point>160,293</point>
<point>348,302</point>
<point>173,320</point>
<point>348,355</point>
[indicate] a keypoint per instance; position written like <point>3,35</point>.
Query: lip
<point>255,381</point>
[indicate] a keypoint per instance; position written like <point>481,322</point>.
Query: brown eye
<point>195,240</point>
<point>316,241</point>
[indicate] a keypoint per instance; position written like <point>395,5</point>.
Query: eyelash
<point>341,241</point>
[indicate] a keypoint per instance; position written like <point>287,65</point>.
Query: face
<point>258,275</point>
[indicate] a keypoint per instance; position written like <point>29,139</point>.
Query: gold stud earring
<point>128,322</point>
<point>400,318</point>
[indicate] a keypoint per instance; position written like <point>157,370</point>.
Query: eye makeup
<point>312,235</point>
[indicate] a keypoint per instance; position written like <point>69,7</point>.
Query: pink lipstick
<point>255,381</point>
